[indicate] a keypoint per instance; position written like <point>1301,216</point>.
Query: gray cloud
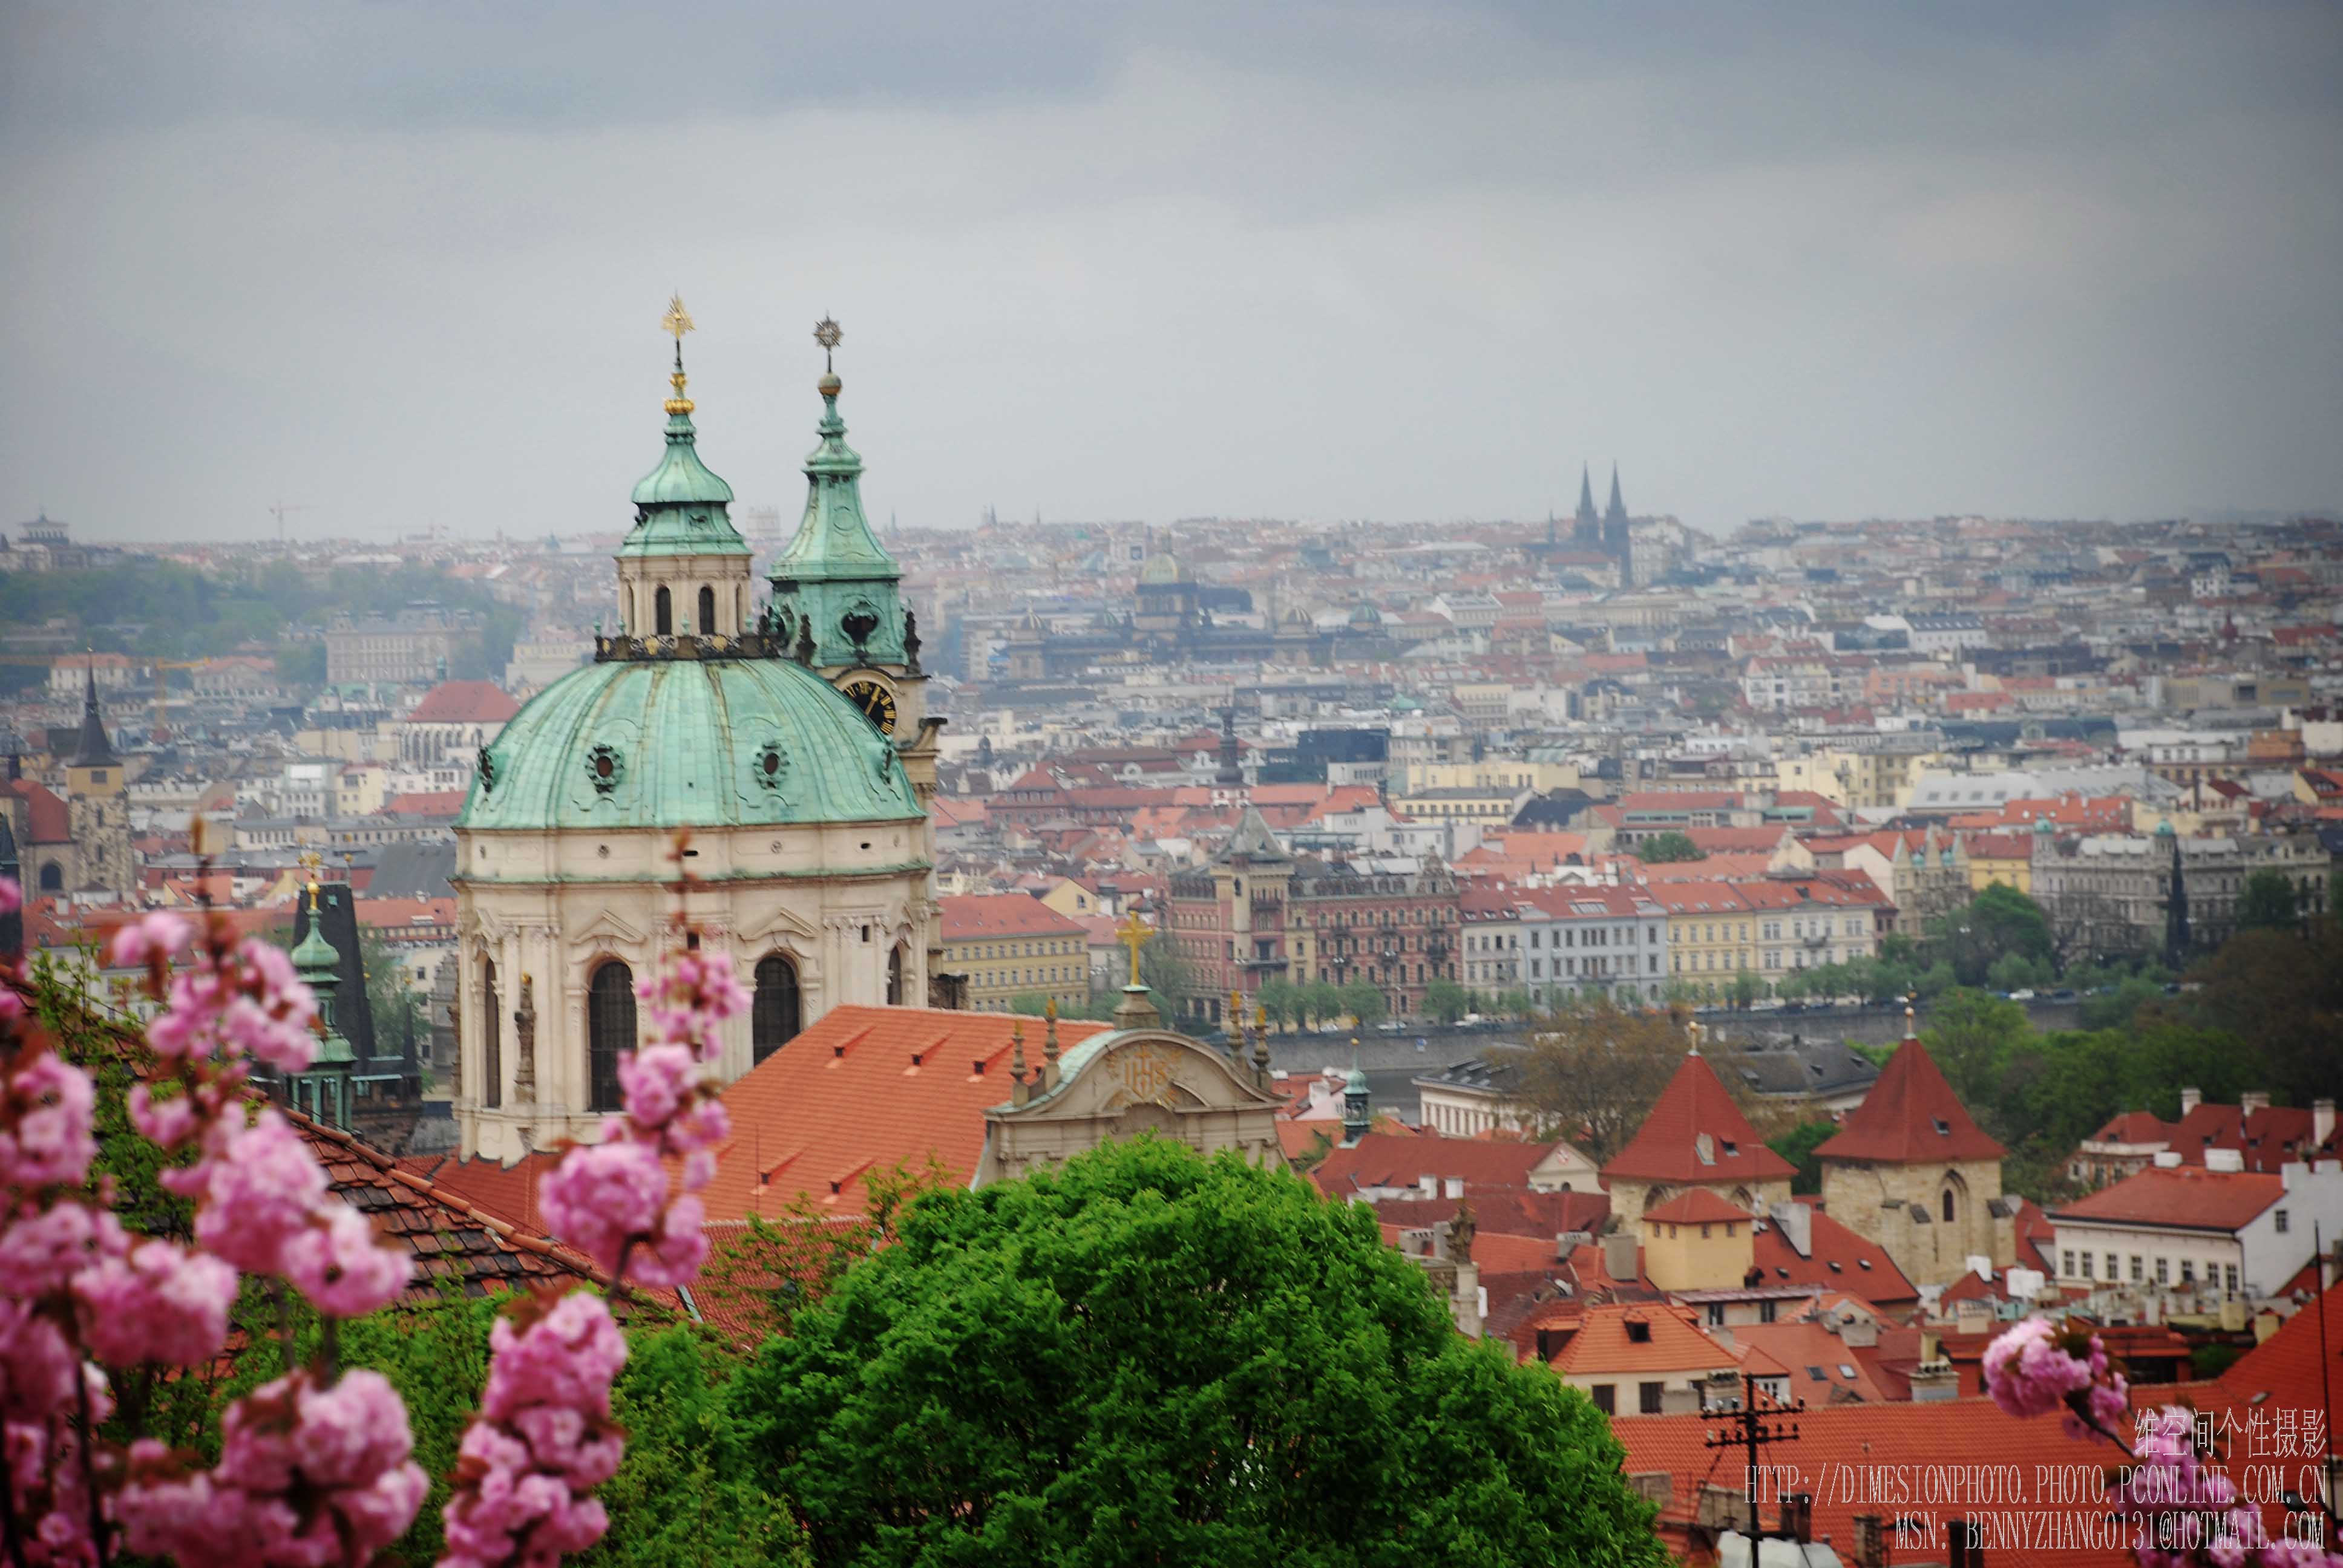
<point>403,261</point>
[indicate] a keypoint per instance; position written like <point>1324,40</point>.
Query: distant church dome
<point>1162,571</point>
<point>1366,617</point>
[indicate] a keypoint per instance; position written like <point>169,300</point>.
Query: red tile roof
<point>425,803</point>
<point>1910,1116</point>
<point>2264,1139</point>
<point>1502,1210</point>
<point>2189,1198</point>
<point>1837,1258</point>
<point>970,917</point>
<point>1381,1160</point>
<point>846,1098</point>
<point>1667,1148</point>
<point>1806,1347</point>
<point>464,703</point>
<point>1696,1207</point>
<point>1600,1343</point>
<point>45,812</point>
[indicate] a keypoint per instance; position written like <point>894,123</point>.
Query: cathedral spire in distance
<point>1587,528</point>
<point>1617,512</point>
<point>93,750</point>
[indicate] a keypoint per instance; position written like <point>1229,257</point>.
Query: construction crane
<point>278,511</point>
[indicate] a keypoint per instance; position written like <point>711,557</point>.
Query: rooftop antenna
<point>278,511</point>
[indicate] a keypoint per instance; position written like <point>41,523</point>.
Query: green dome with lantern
<point>687,743</point>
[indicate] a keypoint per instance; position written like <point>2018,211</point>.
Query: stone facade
<point>1903,1207</point>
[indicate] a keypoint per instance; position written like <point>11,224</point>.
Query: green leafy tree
<point>2000,920</point>
<point>1281,1001</point>
<point>1797,1145</point>
<point>1324,1002</point>
<point>1363,1000</point>
<point>2281,993</point>
<point>1971,1034</point>
<point>301,661</point>
<point>1446,1001</point>
<point>2266,903</point>
<point>1515,1004</point>
<point>1591,1071</point>
<point>1030,1003</point>
<point>1145,1357</point>
<point>1669,849</point>
<point>1746,988</point>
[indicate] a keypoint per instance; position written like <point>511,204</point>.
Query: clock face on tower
<point>877,703</point>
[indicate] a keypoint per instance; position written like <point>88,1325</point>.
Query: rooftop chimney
<point>2253,1100</point>
<point>1619,1255</point>
<point>1796,1222</point>
<point>2190,1099</point>
<point>2322,1121</point>
<point>2224,1160</point>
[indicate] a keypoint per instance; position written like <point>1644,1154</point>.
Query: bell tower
<point>837,603</point>
<point>683,570</point>
<point>97,811</point>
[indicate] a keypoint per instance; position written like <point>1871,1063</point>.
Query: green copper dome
<point>665,743</point>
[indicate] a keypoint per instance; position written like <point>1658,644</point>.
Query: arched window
<point>609,1027</point>
<point>895,976</point>
<point>706,622</point>
<point>663,613</point>
<point>774,1019</point>
<point>1949,1205</point>
<point>53,878</point>
<point>492,1052</point>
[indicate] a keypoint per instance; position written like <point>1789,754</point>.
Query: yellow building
<point>1698,1242</point>
<point>1856,779</point>
<point>2005,859</point>
<point>1509,775</point>
<point>1072,899</point>
<point>1012,945</point>
<point>1469,803</point>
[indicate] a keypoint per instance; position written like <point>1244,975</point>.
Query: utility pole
<point>1754,1432</point>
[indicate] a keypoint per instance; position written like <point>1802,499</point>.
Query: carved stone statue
<point>525,1042</point>
<point>911,641</point>
<point>1461,1231</point>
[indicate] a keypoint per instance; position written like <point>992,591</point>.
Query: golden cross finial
<point>310,860</point>
<point>826,333</point>
<point>678,321</point>
<point>1133,933</point>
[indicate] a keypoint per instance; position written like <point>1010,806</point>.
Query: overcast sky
<point>403,261</point>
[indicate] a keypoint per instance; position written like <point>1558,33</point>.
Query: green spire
<point>679,506</point>
<point>319,966</point>
<point>835,574</point>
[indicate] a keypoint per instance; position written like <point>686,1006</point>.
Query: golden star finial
<point>826,333</point>
<point>677,320</point>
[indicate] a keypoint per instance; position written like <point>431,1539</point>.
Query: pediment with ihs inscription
<point>1152,1069</point>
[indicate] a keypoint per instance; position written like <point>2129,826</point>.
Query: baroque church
<point>760,766</point>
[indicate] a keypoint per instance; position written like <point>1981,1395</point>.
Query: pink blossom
<point>307,1475</point>
<point>676,1249</point>
<point>43,1249</point>
<point>12,896</point>
<point>2029,1372</point>
<point>602,1196</point>
<point>149,938</point>
<point>657,1081</point>
<point>45,1127</point>
<point>169,1122</point>
<point>254,1188</point>
<point>36,1364</point>
<point>567,1357</point>
<point>336,1264</point>
<point>159,1303</point>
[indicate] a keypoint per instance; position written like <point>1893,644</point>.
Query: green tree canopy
<point>1446,1001</point>
<point>1999,922</point>
<point>1669,847</point>
<point>1797,1145</point>
<point>2266,903</point>
<point>1363,1000</point>
<point>1144,1357</point>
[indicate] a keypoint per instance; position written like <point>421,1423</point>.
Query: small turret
<point>1358,1114</point>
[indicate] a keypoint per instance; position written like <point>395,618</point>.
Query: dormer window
<point>1943,1128</point>
<point>1638,1332</point>
<point>1731,1148</point>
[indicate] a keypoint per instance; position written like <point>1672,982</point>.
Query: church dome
<point>1162,571</point>
<point>665,743</point>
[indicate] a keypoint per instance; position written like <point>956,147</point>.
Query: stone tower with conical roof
<point>97,813</point>
<point>1694,1139</point>
<point>1911,1170</point>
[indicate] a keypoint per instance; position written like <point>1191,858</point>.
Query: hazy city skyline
<point>404,264</point>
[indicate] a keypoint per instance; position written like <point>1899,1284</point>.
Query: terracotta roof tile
<point>2186,1198</point>
<point>1863,1267</point>
<point>1910,1116</point>
<point>1696,1207</point>
<point>1667,1147</point>
<point>1603,1343</point>
<point>845,1099</point>
<point>1382,1160</point>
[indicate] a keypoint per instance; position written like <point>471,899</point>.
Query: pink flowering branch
<point>314,1469</point>
<point>2183,1513</point>
<point>543,1440</point>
